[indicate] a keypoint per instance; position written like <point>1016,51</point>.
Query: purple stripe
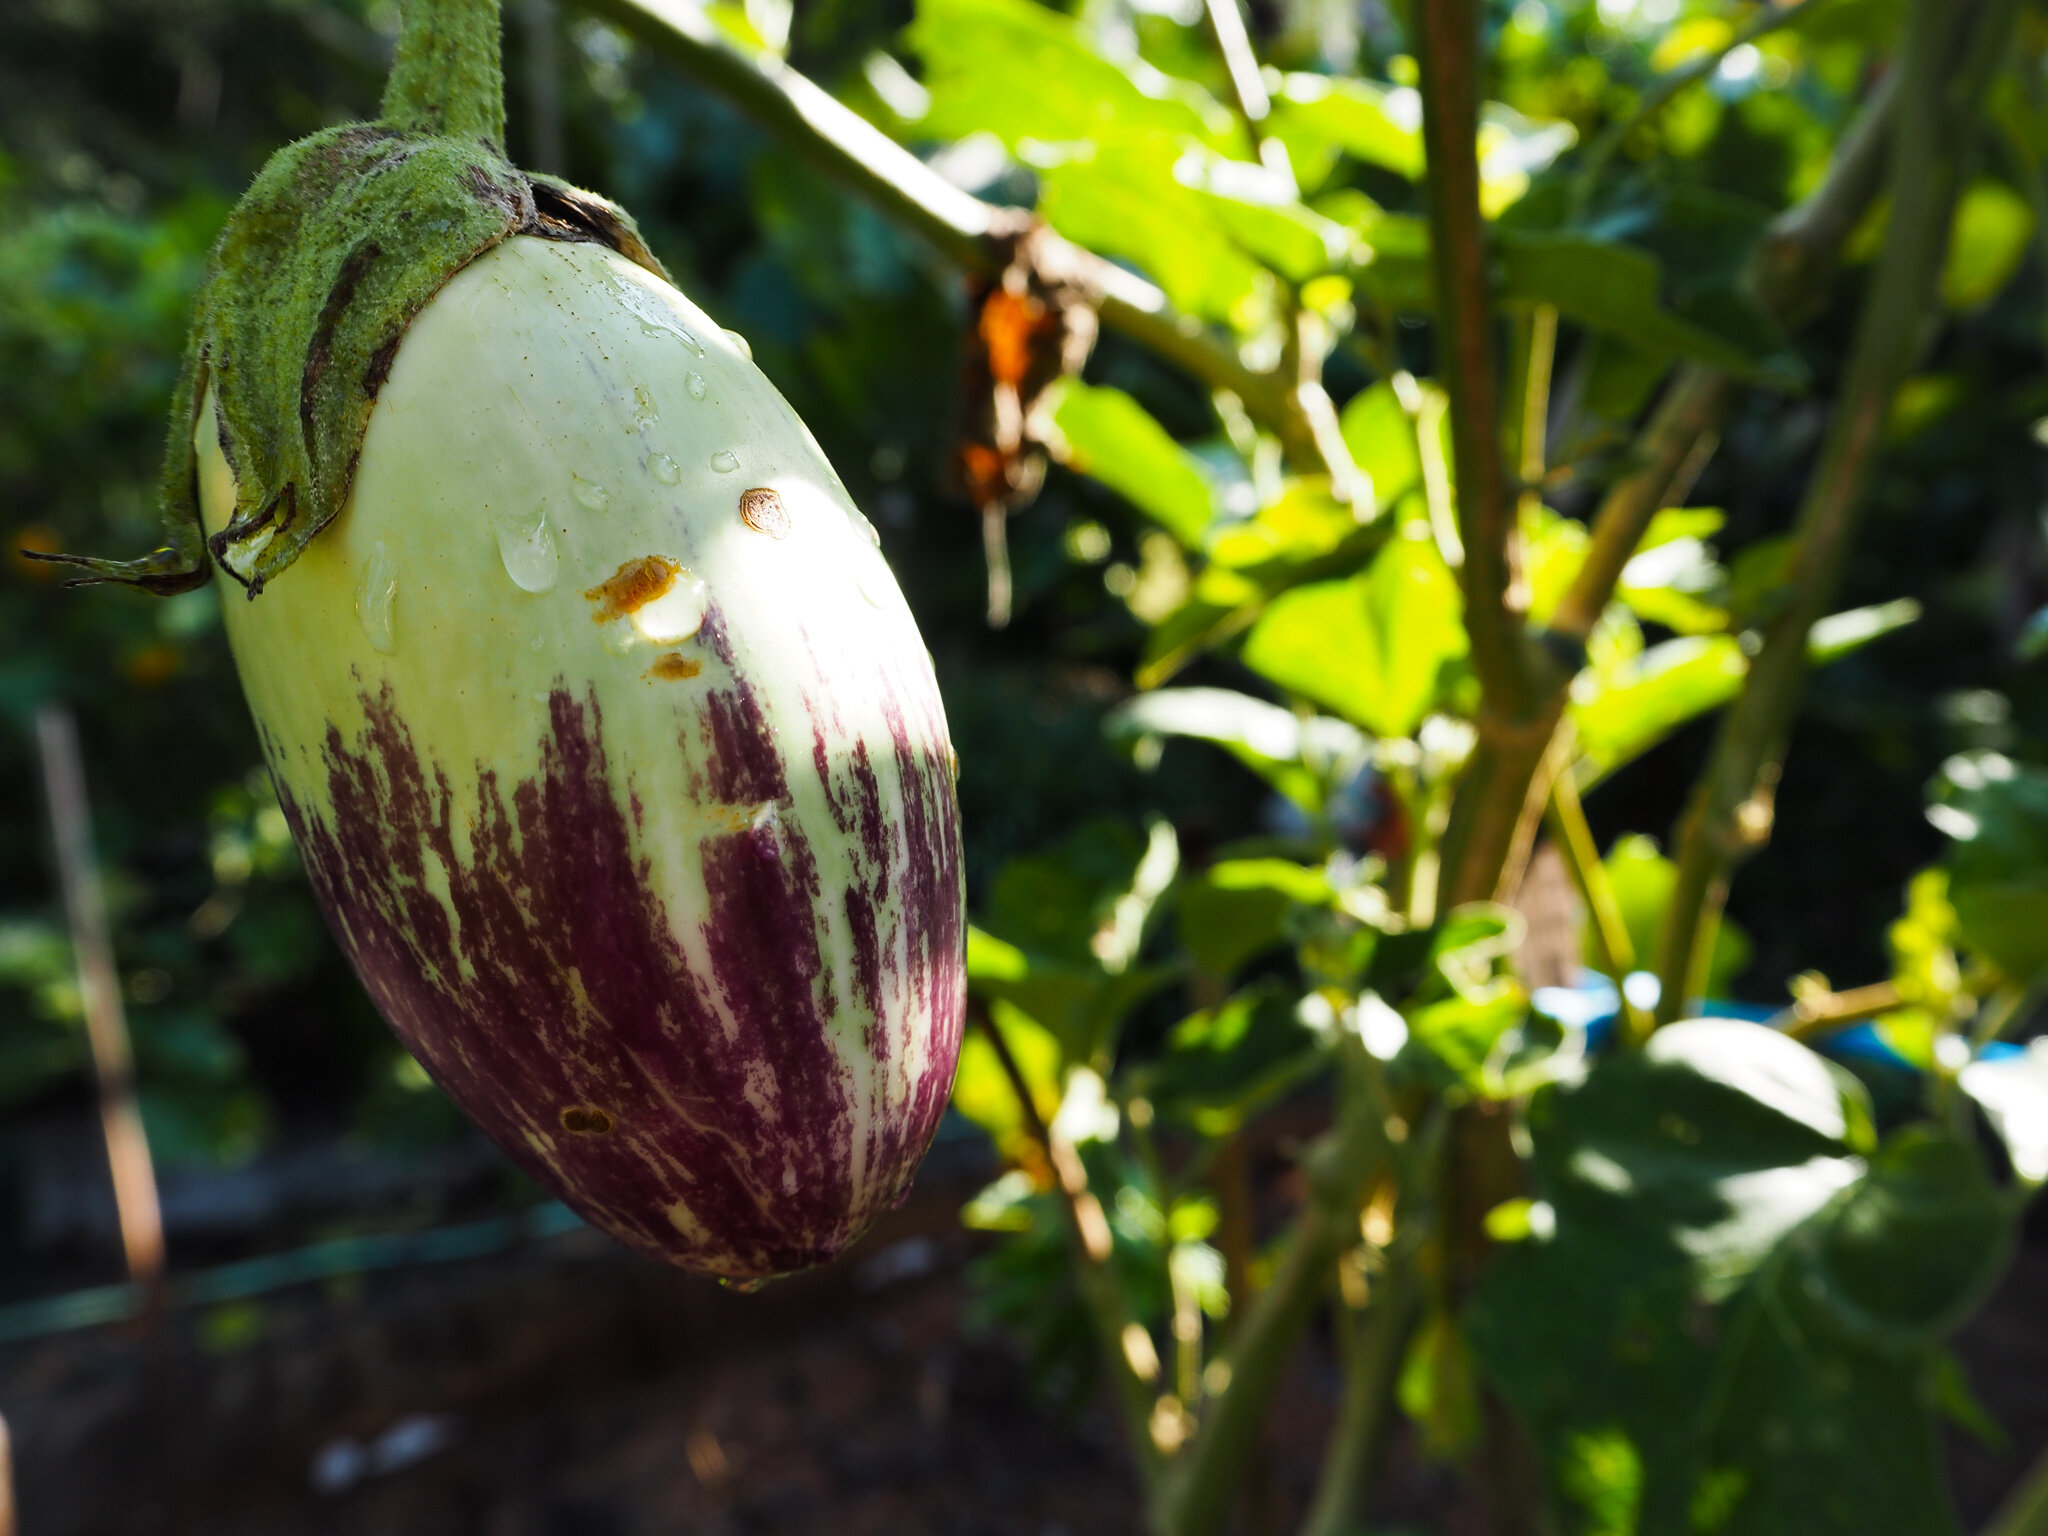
<point>563,986</point>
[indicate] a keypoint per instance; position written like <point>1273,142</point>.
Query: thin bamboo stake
<point>106,1025</point>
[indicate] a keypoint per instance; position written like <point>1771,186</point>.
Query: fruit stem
<point>447,77</point>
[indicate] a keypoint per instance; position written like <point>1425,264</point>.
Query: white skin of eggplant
<point>519,375</point>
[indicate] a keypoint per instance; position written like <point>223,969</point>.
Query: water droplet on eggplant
<point>725,461</point>
<point>376,597</point>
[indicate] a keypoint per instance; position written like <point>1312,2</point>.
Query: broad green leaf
<point>1382,442</point>
<point>1121,197</point>
<point>2013,1093</point>
<point>1304,523</point>
<point>982,1090</point>
<point>1262,213</point>
<point>1609,288</point>
<point>1220,1064</point>
<point>1840,633</point>
<point>1996,814</point>
<point>1677,583</point>
<point>1238,909</point>
<point>1023,71</point>
<point>1735,1298</point>
<point>1370,648</point>
<point>1553,549</point>
<point>1111,437</point>
<point>1621,716</point>
<point>1319,117</point>
<point>1297,757</point>
<point>1993,227</point>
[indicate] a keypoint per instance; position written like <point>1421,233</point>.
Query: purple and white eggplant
<point>606,736</point>
<point>619,766</point>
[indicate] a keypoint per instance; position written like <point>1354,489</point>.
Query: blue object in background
<point>1593,1004</point>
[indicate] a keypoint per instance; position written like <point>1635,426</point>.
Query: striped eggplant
<point>619,767</point>
<point>606,737</point>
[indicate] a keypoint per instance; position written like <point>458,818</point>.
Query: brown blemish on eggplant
<point>674,667</point>
<point>586,1120</point>
<point>633,586</point>
<point>762,510</point>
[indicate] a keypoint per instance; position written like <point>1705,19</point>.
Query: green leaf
<point>1382,442</point>
<point>1023,71</point>
<point>1612,289</point>
<point>1996,814</point>
<point>1219,1065</point>
<point>1299,757</point>
<point>2013,1093</point>
<point>1992,229</point>
<point>1840,633</point>
<point>1121,196</point>
<point>1370,648</point>
<point>1643,880</point>
<point>1622,715</point>
<point>982,1090</point>
<point>1305,522</point>
<point>1111,437</point>
<point>1238,909</point>
<point>1677,583</point>
<point>1319,117</point>
<point>1735,1299</point>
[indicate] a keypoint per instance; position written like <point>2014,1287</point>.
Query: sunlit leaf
<point>1108,435</point>
<point>1297,757</point>
<point>1736,1293</point>
<point>1992,229</point>
<point>1370,648</point>
<point>1996,815</point>
<point>1622,716</point>
<point>1238,909</point>
<point>1023,71</point>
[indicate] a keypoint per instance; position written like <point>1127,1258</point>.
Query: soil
<point>570,1389</point>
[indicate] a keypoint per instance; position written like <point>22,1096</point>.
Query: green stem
<point>1945,61</point>
<point>1447,52</point>
<point>1088,1230</point>
<point>2025,1510</point>
<point>446,77</point>
<point>1193,1497</point>
<point>1688,415</point>
<point>1373,1354</point>
<point>1611,942</point>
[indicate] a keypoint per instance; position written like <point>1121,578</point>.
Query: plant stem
<point>2025,1510</point>
<point>1666,87</point>
<point>1089,1231</point>
<point>1247,88</point>
<point>446,76</point>
<point>975,235</point>
<point>1447,51</point>
<point>1689,414</point>
<point>1790,270</point>
<point>1616,951</point>
<point>1944,62</point>
<point>1193,1495</point>
<point>1373,1352</point>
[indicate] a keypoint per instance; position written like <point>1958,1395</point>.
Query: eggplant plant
<point>1637,1263</point>
<point>1387,464</point>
